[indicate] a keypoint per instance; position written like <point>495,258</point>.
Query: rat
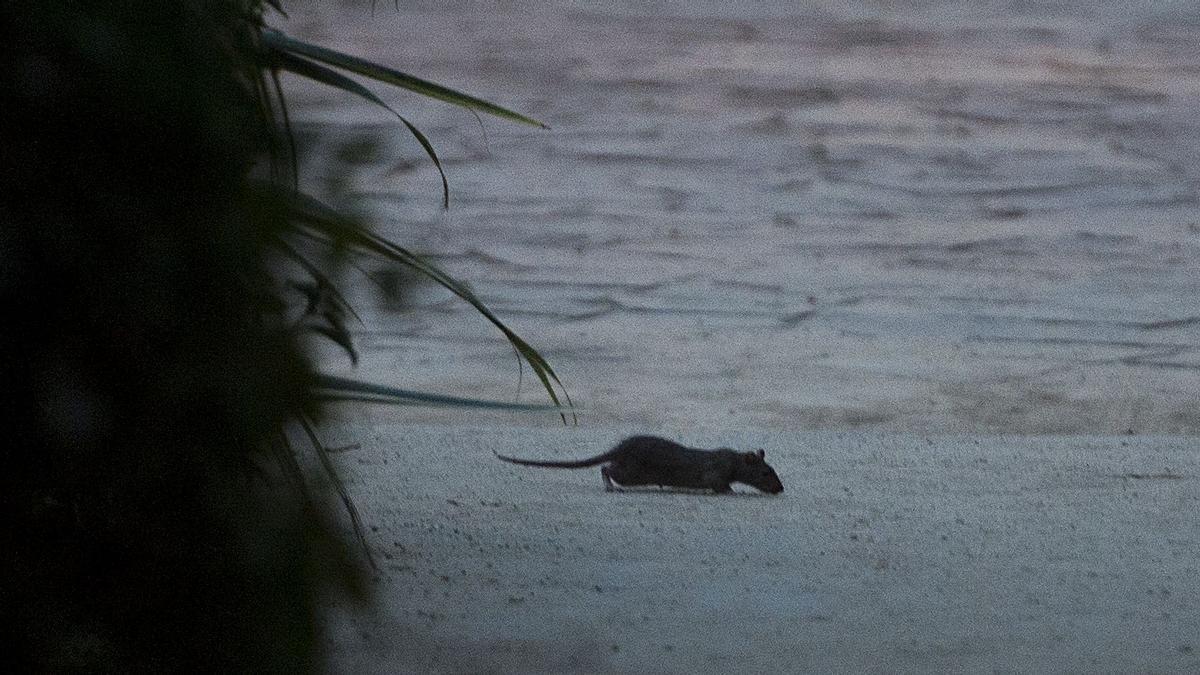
<point>650,460</point>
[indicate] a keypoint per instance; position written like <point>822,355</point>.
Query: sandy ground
<point>941,261</point>
<point>885,553</point>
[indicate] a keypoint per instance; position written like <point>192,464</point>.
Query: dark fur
<point>649,460</point>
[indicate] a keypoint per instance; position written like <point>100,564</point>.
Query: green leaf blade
<point>328,76</point>
<point>375,71</point>
<point>329,227</point>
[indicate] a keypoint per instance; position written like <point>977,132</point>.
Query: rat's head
<point>754,471</point>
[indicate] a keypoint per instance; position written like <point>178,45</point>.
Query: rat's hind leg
<point>608,484</point>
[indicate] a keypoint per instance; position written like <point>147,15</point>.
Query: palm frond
<point>279,42</point>
<point>322,455</point>
<point>293,155</point>
<point>324,224</point>
<point>317,276</point>
<point>319,73</point>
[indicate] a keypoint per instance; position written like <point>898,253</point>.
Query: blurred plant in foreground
<point>152,254</point>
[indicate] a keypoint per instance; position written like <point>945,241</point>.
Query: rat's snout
<point>773,486</point>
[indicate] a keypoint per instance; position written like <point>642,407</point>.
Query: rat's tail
<point>576,464</point>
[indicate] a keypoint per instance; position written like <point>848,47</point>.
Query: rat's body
<point>649,460</point>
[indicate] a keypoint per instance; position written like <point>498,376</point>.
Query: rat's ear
<point>751,457</point>
<point>762,454</point>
